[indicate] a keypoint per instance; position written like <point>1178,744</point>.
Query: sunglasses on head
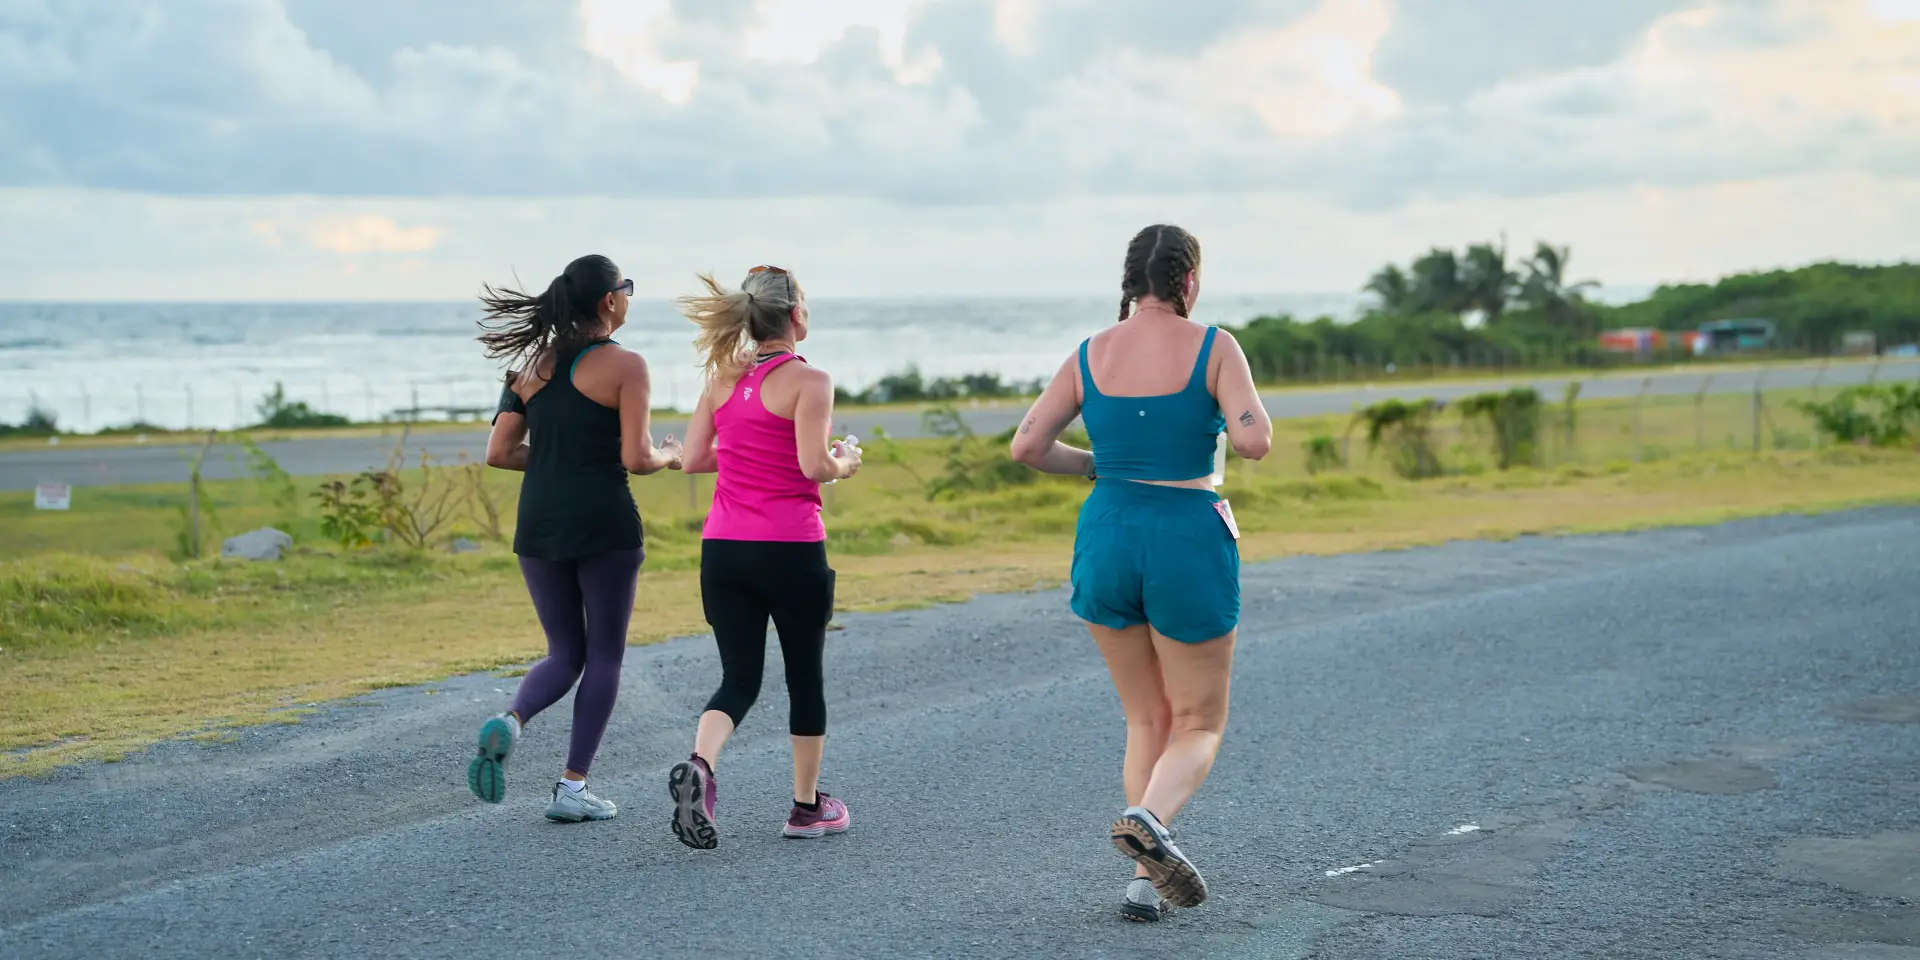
<point>765,268</point>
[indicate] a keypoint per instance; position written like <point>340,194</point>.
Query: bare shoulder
<point>618,362</point>
<point>807,376</point>
<point>1224,342</point>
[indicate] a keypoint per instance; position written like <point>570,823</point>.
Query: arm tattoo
<point>1246,418</point>
<point>1028,426</point>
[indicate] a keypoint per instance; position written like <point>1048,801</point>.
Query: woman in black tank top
<point>574,417</point>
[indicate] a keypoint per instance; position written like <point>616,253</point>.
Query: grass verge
<point>111,646</point>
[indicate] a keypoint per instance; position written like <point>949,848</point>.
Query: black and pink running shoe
<point>695,791</point>
<point>804,824</point>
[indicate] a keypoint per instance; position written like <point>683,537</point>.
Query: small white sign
<point>52,496</point>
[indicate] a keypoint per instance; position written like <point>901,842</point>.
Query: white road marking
<point>1464,828</point>
<point>1343,871</point>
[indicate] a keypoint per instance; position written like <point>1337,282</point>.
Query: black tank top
<point>574,501</point>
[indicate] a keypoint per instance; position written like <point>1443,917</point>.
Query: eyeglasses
<point>624,286</point>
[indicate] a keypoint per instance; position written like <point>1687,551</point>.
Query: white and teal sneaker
<point>573,806</point>
<point>487,774</point>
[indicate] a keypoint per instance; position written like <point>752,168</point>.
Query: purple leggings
<point>584,606</point>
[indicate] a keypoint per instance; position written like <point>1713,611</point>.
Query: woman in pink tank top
<point>762,425</point>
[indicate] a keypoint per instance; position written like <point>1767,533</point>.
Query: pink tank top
<point>760,493</point>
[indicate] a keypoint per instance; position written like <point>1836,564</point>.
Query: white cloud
<point>988,103</point>
<point>1295,241</point>
<point>369,233</point>
<point>627,33</point>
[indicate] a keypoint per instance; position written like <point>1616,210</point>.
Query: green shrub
<point>1323,454</point>
<point>277,411</point>
<point>1880,416</point>
<point>1514,419</point>
<point>1406,430</point>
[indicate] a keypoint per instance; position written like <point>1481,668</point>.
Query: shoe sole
<point>1173,876</point>
<point>487,773</point>
<point>817,831</point>
<point>690,822</point>
<point>1139,912</point>
<point>560,817</point>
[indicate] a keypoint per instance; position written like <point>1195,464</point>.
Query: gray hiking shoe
<point>571,806</point>
<point>1144,839</point>
<point>1143,903</point>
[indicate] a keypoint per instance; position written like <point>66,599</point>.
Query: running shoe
<point>804,824</point>
<point>487,774</point>
<point>1142,837</point>
<point>695,791</point>
<point>1143,903</point>
<point>574,806</point>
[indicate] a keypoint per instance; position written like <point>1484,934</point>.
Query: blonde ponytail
<point>732,321</point>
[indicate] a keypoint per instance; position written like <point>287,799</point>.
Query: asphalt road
<point>1687,743</point>
<point>21,470</point>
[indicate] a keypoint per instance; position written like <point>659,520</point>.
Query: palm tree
<point>1485,279</point>
<point>1546,289</point>
<point>1391,286</point>
<point>1436,283</point>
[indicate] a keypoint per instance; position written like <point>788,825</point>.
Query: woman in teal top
<point>1156,570</point>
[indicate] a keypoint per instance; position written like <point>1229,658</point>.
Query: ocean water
<point>208,365</point>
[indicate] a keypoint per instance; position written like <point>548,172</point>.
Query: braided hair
<point>1158,261</point>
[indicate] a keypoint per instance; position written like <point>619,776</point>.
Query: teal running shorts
<point>1156,555</point>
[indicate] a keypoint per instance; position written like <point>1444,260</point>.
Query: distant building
<point>1730,336</point>
<point>1639,340</point>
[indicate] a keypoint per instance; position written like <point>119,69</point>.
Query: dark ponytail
<point>519,326</point>
<point>1157,264</point>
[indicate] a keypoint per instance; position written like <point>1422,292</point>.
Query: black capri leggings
<point>742,583</point>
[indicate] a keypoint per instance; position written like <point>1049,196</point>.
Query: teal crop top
<point>1170,436</point>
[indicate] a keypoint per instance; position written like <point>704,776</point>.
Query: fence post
<point>193,499</point>
<point>1700,415</point>
<point>1645,384</point>
<point>1874,375</point>
<point>1819,375</point>
<point>1758,375</point>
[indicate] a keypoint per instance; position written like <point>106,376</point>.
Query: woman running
<point>762,424</point>
<point>584,400</point>
<point>1156,571</point>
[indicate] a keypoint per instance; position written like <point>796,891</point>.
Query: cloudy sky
<point>374,149</point>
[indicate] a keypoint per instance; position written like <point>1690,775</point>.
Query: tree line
<point>1482,308</point>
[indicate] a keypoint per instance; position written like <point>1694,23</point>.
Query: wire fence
<point>197,404</point>
<point>1729,412</point>
<point>235,402</point>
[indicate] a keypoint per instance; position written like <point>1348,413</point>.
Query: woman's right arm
<point>698,456</point>
<point>1249,428</point>
<point>1037,442</point>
